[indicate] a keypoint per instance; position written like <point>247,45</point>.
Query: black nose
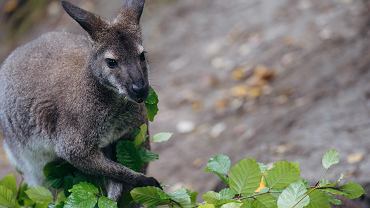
<point>141,92</point>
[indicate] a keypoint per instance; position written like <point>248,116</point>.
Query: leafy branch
<point>252,185</point>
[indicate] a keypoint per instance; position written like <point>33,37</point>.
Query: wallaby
<point>66,96</point>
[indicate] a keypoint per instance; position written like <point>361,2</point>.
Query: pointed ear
<point>132,9</point>
<point>91,23</point>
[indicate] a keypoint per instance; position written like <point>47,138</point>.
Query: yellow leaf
<point>264,73</point>
<point>10,6</point>
<point>355,158</point>
<point>239,91</point>
<point>262,185</point>
<point>222,104</point>
<point>239,74</point>
<point>206,206</point>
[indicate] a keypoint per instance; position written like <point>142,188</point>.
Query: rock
<point>217,130</point>
<point>185,127</point>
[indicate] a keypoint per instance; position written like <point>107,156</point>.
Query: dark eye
<point>111,63</point>
<point>142,56</point>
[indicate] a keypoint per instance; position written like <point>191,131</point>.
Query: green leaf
<point>352,190</point>
<point>182,198</point>
<point>40,205</point>
<point>58,169</point>
<point>318,199</point>
<point>147,156</point>
<point>248,203</point>
<point>150,196</point>
<point>193,196</point>
<point>324,182</point>
<point>218,199</point>
<point>227,193</point>
<point>282,174</point>
<point>9,182</point>
<point>56,173</point>
<point>335,201</point>
<point>161,137</point>
<point>330,158</point>
<point>334,191</point>
<point>40,195</point>
<point>245,176</point>
<point>232,205</point>
<point>207,206</point>
<point>7,198</point>
<point>295,196</point>
<point>151,104</point>
<point>264,201</point>
<point>141,136</point>
<point>23,198</point>
<point>128,155</point>
<point>61,197</point>
<point>84,187</point>
<point>105,202</point>
<point>212,197</point>
<point>81,200</point>
<point>83,195</point>
<point>152,111</point>
<point>219,165</point>
<point>152,97</point>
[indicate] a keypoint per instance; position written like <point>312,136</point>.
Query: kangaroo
<point>66,96</point>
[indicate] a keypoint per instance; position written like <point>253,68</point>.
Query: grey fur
<point>59,99</point>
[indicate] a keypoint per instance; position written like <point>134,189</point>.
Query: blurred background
<point>269,79</point>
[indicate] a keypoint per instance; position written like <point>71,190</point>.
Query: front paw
<point>145,181</point>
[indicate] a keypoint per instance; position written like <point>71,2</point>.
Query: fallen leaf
<point>239,74</point>
<point>254,92</point>
<point>239,91</point>
<point>197,105</point>
<point>198,163</point>
<point>222,104</point>
<point>264,73</point>
<point>283,148</point>
<point>243,91</point>
<point>10,6</point>
<point>355,158</point>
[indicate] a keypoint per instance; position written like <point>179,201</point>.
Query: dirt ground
<point>273,80</point>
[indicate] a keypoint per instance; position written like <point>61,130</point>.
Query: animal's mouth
<point>128,94</point>
<point>138,97</point>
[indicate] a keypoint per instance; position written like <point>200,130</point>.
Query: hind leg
<point>29,163</point>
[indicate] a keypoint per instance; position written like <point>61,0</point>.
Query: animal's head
<point>118,57</point>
